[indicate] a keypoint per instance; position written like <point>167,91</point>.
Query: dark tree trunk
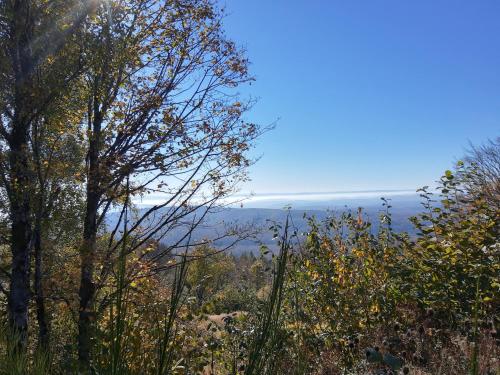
<point>41,316</point>
<point>20,242</point>
<point>87,287</point>
<point>21,37</point>
<point>87,253</point>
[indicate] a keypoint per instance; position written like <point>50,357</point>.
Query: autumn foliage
<point>106,102</point>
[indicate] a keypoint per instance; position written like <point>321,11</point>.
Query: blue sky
<point>369,94</point>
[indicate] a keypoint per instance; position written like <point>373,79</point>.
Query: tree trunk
<point>41,316</point>
<point>20,54</point>
<point>87,253</point>
<point>87,287</point>
<point>20,245</point>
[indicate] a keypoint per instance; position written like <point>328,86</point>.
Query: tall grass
<point>118,361</point>
<point>166,332</point>
<point>121,358</point>
<point>16,362</point>
<point>264,346</point>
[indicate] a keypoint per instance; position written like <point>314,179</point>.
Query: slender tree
<point>163,112</point>
<point>57,164</point>
<point>38,40</point>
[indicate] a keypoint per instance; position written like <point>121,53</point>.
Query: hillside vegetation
<point>340,297</point>
<point>105,102</point>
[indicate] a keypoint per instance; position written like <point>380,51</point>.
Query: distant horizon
<point>265,199</point>
<point>325,192</point>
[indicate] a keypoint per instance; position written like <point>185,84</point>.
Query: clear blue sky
<point>372,94</point>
